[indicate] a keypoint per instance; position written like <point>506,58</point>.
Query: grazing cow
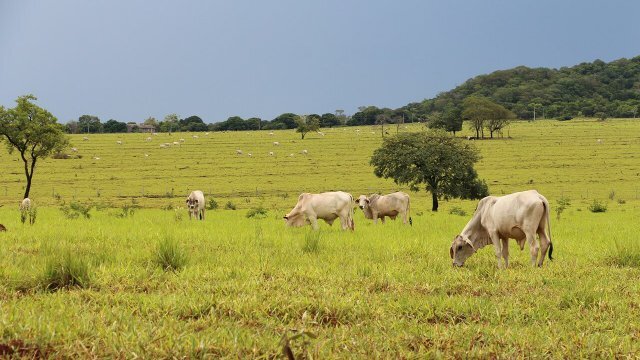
<point>148,139</point>
<point>155,134</point>
<point>320,133</point>
<point>291,155</point>
<point>2,228</point>
<point>119,142</point>
<point>275,143</point>
<point>163,145</point>
<point>181,140</point>
<point>25,205</point>
<point>516,216</point>
<point>146,155</point>
<point>96,158</point>
<point>238,152</point>
<point>195,204</point>
<point>327,206</point>
<point>74,149</point>
<point>249,154</point>
<point>195,136</point>
<point>85,138</point>
<point>379,206</point>
<point>176,143</point>
<point>271,153</point>
<point>471,137</point>
<point>305,152</point>
<point>271,133</point>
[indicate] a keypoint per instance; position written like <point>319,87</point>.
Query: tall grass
<point>625,254</point>
<point>311,242</point>
<point>66,271</point>
<point>169,256</point>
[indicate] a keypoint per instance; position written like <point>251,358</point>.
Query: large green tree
<point>33,132</point>
<point>484,113</point>
<point>90,124</point>
<point>433,159</point>
<point>115,126</point>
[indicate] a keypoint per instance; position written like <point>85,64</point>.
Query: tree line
<point>486,102</point>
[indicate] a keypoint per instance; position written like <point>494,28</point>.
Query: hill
<point>588,89</point>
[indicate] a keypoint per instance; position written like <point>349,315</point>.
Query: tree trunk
<point>434,198</point>
<point>302,135</point>
<point>491,131</point>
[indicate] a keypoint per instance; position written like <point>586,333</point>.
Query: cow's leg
<point>375,216</point>
<point>314,222</point>
<point>544,245</point>
<point>382,219</point>
<point>505,252</point>
<point>404,217</point>
<point>330,222</point>
<point>533,247</point>
<point>495,239</point>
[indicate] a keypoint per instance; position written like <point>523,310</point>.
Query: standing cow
<point>27,210</point>
<point>195,204</point>
<point>518,216</point>
<point>327,206</point>
<point>380,206</point>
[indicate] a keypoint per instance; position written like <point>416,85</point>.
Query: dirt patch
<point>19,348</point>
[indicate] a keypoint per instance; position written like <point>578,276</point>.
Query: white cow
<point>74,149</point>
<point>271,153</point>
<point>275,143</point>
<point>380,206</point>
<point>85,138</point>
<point>518,216</point>
<point>327,206</point>
<point>119,142</point>
<point>25,205</point>
<point>305,152</point>
<point>195,204</point>
<point>148,139</point>
<point>238,152</point>
<point>195,136</point>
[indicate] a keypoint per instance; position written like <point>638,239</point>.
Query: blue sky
<point>129,60</point>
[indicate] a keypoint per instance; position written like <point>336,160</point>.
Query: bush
<point>169,256</point>
<point>230,206</point>
<point>74,210</point>
<point>563,203</point>
<point>212,204</point>
<point>622,201</point>
<point>127,210</point>
<point>258,213</point>
<point>597,207</point>
<point>612,194</point>
<point>456,210</point>
<point>65,272</point>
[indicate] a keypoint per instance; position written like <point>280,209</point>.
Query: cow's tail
<point>547,211</point>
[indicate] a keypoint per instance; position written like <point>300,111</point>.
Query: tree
<point>329,120</point>
<point>498,119</point>
<point>33,132</point>
<point>114,126</point>
<point>90,124</point>
<point>441,163</point>
<point>151,121</point>
<point>450,119</point>
<point>382,119</point>
<point>307,123</point>
<point>72,127</point>
<point>170,123</point>
<point>484,113</point>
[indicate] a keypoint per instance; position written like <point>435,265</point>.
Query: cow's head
<point>461,249</point>
<point>192,204</point>
<point>362,202</point>
<point>294,219</point>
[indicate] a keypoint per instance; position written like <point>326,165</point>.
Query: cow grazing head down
<point>362,202</point>
<point>461,249</point>
<point>294,219</point>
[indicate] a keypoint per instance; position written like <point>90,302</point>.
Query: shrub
<point>563,203</point>
<point>169,256</point>
<point>178,214</point>
<point>597,207</point>
<point>258,213</point>
<point>456,210</point>
<point>311,242</point>
<point>127,210</point>
<point>75,209</point>
<point>622,201</point>
<point>65,272</point>
<point>230,206</point>
<point>612,194</point>
<point>212,204</point>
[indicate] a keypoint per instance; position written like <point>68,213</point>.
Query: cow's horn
<point>466,239</point>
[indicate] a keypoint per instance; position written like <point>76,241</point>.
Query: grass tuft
<point>311,242</point>
<point>597,207</point>
<point>625,255</point>
<point>169,256</point>
<point>66,271</point>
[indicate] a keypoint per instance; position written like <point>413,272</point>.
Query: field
<point>249,284</point>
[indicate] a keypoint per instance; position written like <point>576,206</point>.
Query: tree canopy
<point>33,132</point>
<point>307,123</point>
<point>433,159</point>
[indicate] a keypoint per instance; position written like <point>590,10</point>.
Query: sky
<point>129,60</point>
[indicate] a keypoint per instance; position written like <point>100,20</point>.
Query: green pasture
<point>385,291</point>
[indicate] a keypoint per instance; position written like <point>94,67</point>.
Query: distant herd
<point>520,216</point>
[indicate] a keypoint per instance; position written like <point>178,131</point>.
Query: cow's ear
<point>187,200</point>
<point>285,217</point>
<point>451,251</point>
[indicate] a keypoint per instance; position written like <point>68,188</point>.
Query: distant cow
<point>327,206</point>
<point>25,205</point>
<point>238,152</point>
<point>27,210</point>
<point>195,204</point>
<point>275,143</point>
<point>119,142</point>
<point>305,152</point>
<point>271,153</point>
<point>516,216</point>
<point>380,206</point>
<point>148,139</point>
<point>195,136</point>
<point>85,138</point>
<point>74,149</point>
